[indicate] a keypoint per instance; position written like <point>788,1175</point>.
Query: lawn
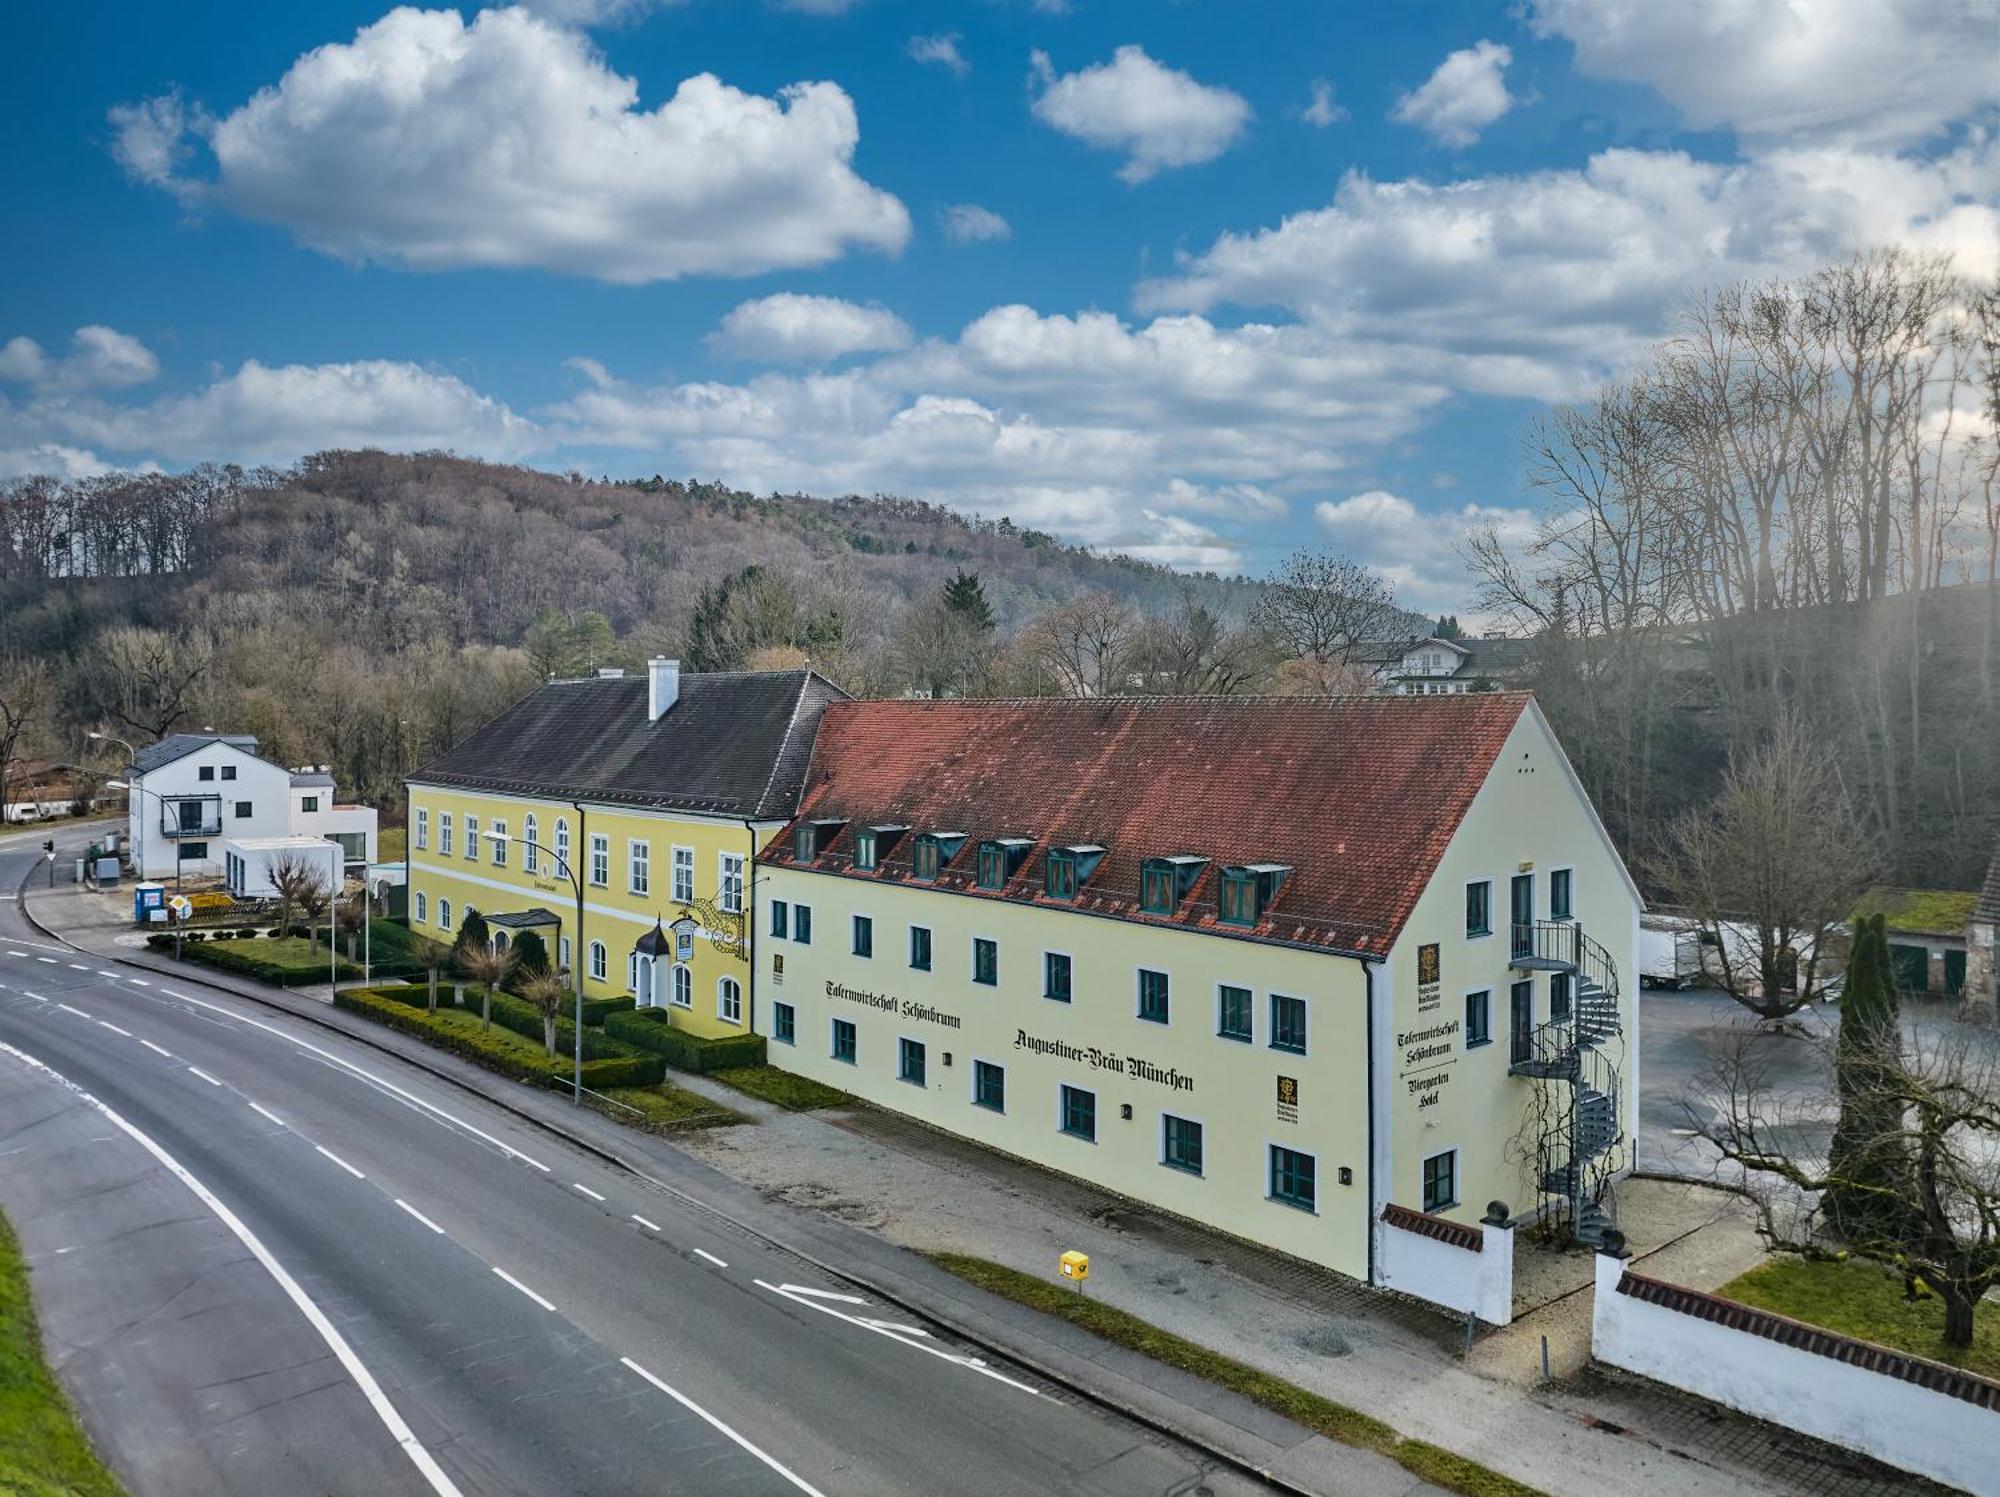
<point>1336,1421</point>
<point>1862,1299</point>
<point>667,1108</point>
<point>43,1451</point>
<point>280,951</point>
<point>781,1088</point>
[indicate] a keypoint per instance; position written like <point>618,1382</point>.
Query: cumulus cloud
<point>1322,111</point>
<point>1870,71</point>
<point>1159,117</point>
<point>968,223</point>
<point>52,459</point>
<point>1467,93</point>
<point>100,358</point>
<point>1416,549</point>
<point>789,328</point>
<point>430,143</point>
<point>938,51</point>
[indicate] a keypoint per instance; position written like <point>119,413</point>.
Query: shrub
<point>649,1029</point>
<point>458,1031</point>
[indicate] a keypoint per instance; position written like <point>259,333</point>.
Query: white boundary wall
<point>1902,1410</point>
<point>1463,1268</point>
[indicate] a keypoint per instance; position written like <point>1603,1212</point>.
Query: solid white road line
<point>115,1029</point>
<point>883,1328</point>
<point>651,1226</point>
<point>701,1253</point>
<point>845,1299</point>
<point>524,1289</point>
<point>156,1049</point>
<point>266,1112</point>
<point>433,1473</point>
<point>197,1070</point>
<point>72,1009</point>
<point>419,1216</point>
<point>694,1408</point>
<point>586,1190</point>
<point>341,1162</point>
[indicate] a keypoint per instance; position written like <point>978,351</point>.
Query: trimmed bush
<point>649,1029</point>
<point>501,1050</point>
<point>291,970</point>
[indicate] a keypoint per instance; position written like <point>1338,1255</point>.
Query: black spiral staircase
<point>1575,1163</point>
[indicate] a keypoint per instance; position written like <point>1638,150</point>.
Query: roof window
<point>1069,868</point>
<point>1248,890</point>
<point>1164,882</point>
<point>1000,858</point>
<point>934,851</point>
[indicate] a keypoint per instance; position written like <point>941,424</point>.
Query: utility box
<point>1075,1265</point>
<point>147,898</point>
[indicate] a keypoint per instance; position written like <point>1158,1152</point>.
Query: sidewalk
<point>853,1189</point>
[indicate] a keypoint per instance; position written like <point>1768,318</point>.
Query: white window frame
<point>638,866</point>
<point>531,833</point>
<point>423,828</point>
<point>444,914</point>
<point>471,838</point>
<point>600,855</point>
<point>564,866</point>
<point>683,890</point>
<point>1215,1027</point>
<point>683,986</point>
<point>498,837</point>
<point>444,834</point>
<point>600,962</point>
<point>727,985</point>
<point>563,953</point>
<point>632,972</point>
<point>423,908</point>
<point>729,871</point>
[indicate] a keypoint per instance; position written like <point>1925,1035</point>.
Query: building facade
<point>1273,965</point>
<point>1435,666</point>
<point>618,818</point>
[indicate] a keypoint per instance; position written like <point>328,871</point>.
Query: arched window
<point>563,866</point>
<point>444,914</point>
<point>632,973</point>
<point>531,833</point>
<point>423,907</point>
<point>599,966</point>
<point>683,988</point>
<point>499,940</point>
<point>729,1001</point>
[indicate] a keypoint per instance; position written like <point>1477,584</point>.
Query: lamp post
<point>339,861</point>
<point>576,952</point>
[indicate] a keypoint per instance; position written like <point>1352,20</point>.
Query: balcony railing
<point>203,822</point>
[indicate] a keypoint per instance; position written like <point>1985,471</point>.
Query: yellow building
<point>618,818</point>
<point>1282,966</point>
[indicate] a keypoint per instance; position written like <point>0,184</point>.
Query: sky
<point>1198,280</point>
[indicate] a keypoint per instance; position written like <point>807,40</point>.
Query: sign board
<point>1288,1099</point>
<point>1430,986</point>
<point>684,929</point>
<point>181,905</point>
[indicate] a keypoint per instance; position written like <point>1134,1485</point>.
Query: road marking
<point>689,1404</point>
<point>49,959</point>
<point>114,976</point>
<point>151,1046</point>
<point>433,1473</point>
<point>420,1216</point>
<point>883,1328</point>
<point>266,1112</point>
<point>17,953</point>
<point>78,967</point>
<point>845,1299</point>
<point>651,1226</point>
<point>71,1009</point>
<point>198,1071</point>
<point>893,1326</point>
<point>36,996</point>
<point>138,982</point>
<point>341,1162</point>
<point>524,1289</point>
<point>700,1253</point>
<point>115,1029</point>
<point>586,1190</point>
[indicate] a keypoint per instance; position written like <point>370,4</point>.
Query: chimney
<point>663,686</point>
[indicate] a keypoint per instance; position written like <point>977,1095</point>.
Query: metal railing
<point>1564,941</point>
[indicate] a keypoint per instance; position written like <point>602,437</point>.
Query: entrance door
<point>647,997</point>
<point>190,816</point>
<point>1522,897</point>
<point>1954,973</point>
<point>1911,966</point>
<point>1521,1021</point>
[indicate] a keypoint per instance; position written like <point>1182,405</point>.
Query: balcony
<point>191,817</point>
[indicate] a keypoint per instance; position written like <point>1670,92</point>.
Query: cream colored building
<point>1274,965</point>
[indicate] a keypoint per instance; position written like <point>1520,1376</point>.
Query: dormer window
<point>1247,891</point>
<point>811,837</point>
<point>933,851</point>
<point>1164,882</point>
<point>1069,868</point>
<point>864,849</point>
<point>872,844</point>
<point>802,843</point>
<point>999,858</point>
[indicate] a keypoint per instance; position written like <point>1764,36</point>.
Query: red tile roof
<point>1358,795</point>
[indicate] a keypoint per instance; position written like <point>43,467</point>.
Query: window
<point>985,961</point>
<point>229,771</point>
<point>599,964</point>
<point>920,948</point>
<point>989,1086</point>
<point>683,988</point>
<point>1521,911</point>
<point>1061,876</point>
<point>924,858</point>
<point>1521,1022</point>
<point>472,838</point>
<point>1156,889</point>
<point>684,875</point>
<point>1441,1181</point>
<point>1079,1113</point>
<point>1294,1178</point>
<point>1153,996</point>
<point>444,914</point>
<point>864,851</point>
<point>444,833</point>
<point>1288,1024</point>
<point>562,949</point>
<point>600,860</point>
<point>1239,897</point>
<point>243,808</point>
<point>1479,908</point>
<point>531,833</point>
<point>992,866</point>
<point>1055,976</point>
<point>639,867</point>
<point>1559,995</point>
<point>729,1001</point>
<point>499,840</point>
<point>802,924</point>
<point>423,829</point>
<point>910,1062</point>
<point>803,849</point>
<point>423,907</point>
<point>632,973</point>
<point>192,852</point>
<point>843,1040</point>
<point>206,772</point>
<point>1232,1018</point>
<point>729,890</point>
<point>563,865</point>
<point>1180,1143</point>
<point>1560,884</point>
<point>864,936</point>
<point>780,919</point>
<point>308,804</point>
<point>1478,1019</point>
<point>784,1023</point>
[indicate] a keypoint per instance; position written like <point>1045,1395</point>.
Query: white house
<point>1433,666</point>
<point>192,793</point>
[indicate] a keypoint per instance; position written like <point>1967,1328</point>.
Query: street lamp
<point>576,952</point>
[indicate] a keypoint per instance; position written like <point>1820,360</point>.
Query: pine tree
<point>965,596</point>
<point>531,953</point>
<point>1868,1154</point>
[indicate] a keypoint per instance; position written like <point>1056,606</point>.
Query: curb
<point>896,1298</point>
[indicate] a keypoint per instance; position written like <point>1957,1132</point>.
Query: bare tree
<point>488,968</point>
<point>1083,648</point>
<point>150,681</point>
<point>300,883</point>
<point>939,651</point>
<point>1322,608</point>
<point>548,992</point>
<point>1194,651</point>
<point>26,698</point>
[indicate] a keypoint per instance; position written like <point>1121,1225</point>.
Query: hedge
<point>649,1029</point>
<point>219,953</point>
<point>458,1031</point>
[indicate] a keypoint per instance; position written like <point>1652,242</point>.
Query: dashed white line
<point>70,1008</point>
<point>339,1161</point>
<point>78,967</point>
<point>420,1216</point>
<point>102,973</point>
<point>703,1253</point>
<point>138,982</point>
<point>157,1049</point>
<point>691,1406</point>
<point>198,1071</point>
<point>524,1289</point>
<point>586,1190</point>
<point>267,1113</point>
<point>650,1226</point>
<point>115,1029</point>
<point>49,959</point>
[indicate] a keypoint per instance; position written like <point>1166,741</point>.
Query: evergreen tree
<point>965,596</point>
<point>531,954</point>
<point>472,932</point>
<point>1868,1155</point>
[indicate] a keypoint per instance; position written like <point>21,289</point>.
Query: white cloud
<point>151,141</point>
<point>789,328</point>
<point>1322,111</point>
<point>1867,71</point>
<point>429,143</point>
<point>100,358</point>
<point>1467,93</point>
<point>53,460</point>
<point>1160,117</point>
<point>1416,549</point>
<point>939,51</point>
<point>968,223</point>
<point>594,12</point>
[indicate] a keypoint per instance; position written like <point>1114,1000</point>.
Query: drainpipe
<point>750,926</point>
<point>1368,978</point>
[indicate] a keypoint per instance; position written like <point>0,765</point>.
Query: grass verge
<point>1858,1298</point>
<point>781,1088</point>
<point>43,1450</point>
<point>668,1109</point>
<point>1440,1467</point>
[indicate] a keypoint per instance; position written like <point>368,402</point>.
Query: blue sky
<point>1239,276</point>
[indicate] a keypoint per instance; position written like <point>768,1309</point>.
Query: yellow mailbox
<point>1076,1266</point>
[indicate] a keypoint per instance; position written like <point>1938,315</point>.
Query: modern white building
<point>194,793</point>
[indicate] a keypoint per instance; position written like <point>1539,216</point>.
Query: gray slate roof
<point>313,779</point>
<point>1987,911</point>
<point>736,743</point>
<point>180,745</point>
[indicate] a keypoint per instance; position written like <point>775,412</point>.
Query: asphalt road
<point>271,1261</point>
